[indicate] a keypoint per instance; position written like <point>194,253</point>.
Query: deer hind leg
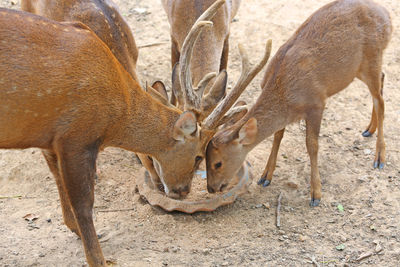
<point>266,177</point>
<point>68,215</point>
<point>78,168</point>
<point>313,125</point>
<point>373,124</point>
<point>373,78</point>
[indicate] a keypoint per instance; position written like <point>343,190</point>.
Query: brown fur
<point>103,17</point>
<point>62,90</point>
<point>341,41</point>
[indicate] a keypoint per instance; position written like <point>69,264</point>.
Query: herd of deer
<point>68,85</point>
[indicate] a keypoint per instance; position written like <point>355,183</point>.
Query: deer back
<point>103,17</point>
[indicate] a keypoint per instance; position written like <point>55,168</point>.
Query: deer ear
<point>248,132</point>
<point>185,126</point>
<point>160,88</point>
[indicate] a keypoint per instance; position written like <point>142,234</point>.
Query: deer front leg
<point>148,164</point>
<point>77,168</point>
<point>175,55</point>
<point>225,54</point>
<point>266,177</point>
<point>313,125</point>
<point>68,216</point>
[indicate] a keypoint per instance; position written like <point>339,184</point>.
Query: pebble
<point>367,151</point>
<point>206,251</point>
<point>302,238</point>
<point>225,263</point>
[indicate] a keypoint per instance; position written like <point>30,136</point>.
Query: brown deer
<point>102,17</point>
<point>63,91</point>
<point>211,50</point>
<point>341,41</point>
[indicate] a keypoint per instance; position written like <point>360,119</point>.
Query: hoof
<point>379,165</point>
<point>366,133</point>
<point>266,183</point>
<point>314,202</point>
<point>261,181</point>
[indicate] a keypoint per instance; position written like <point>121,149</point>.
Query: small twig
<point>8,197</point>
<point>278,211</point>
<point>116,210</point>
<point>314,261</point>
<point>365,255</point>
<point>151,44</point>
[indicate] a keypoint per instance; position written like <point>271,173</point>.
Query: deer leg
<point>68,216</point>
<point>148,164</point>
<point>373,124</point>
<point>375,86</point>
<point>224,56</point>
<point>175,55</point>
<point>266,177</point>
<point>78,168</point>
<point>313,125</point>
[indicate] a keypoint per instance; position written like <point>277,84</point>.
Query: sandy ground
<point>242,234</point>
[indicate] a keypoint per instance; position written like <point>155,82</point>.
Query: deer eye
<point>198,158</point>
<point>218,165</point>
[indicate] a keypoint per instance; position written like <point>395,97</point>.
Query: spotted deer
<point>211,50</point>
<point>341,41</point>
<point>63,91</point>
<point>102,17</point>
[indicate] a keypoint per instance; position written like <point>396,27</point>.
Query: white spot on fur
<point>113,15</point>
<point>66,29</point>
<point>101,13</point>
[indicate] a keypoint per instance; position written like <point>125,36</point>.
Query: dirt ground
<point>132,233</point>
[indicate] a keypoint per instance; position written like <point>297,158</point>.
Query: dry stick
<point>151,44</point>
<point>278,211</point>
<point>7,197</point>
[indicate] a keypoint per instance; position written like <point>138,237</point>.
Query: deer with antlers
<point>102,17</point>
<point>210,56</point>
<point>341,41</point>
<point>63,91</point>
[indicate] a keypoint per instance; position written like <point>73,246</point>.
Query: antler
<point>192,101</point>
<point>246,77</point>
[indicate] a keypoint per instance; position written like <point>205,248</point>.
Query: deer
<point>63,91</point>
<point>209,56</point>
<point>341,41</point>
<point>212,48</point>
<point>103,17</point>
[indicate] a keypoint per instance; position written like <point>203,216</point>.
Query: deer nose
<point>181,191</point>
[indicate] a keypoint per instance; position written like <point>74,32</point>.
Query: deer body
<point>62,90</point>
<point>341,41</point>
<point>102,17</point>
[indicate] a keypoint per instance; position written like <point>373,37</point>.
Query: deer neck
<point>145,125</point>
<point>271,114</point>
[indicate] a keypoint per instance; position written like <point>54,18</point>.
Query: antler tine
<point>211,11</point>
<point>204,82</point>
<point>236,112</point>
<point>246,77</point>
<point>192,101</point>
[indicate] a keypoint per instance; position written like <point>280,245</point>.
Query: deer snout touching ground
<point>341,41</point>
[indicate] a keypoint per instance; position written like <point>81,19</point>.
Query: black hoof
<point>266,183</point>
<point>314,202</point>
<point>261,181</point>
<point>366,133</point>
<point>379,165</point>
